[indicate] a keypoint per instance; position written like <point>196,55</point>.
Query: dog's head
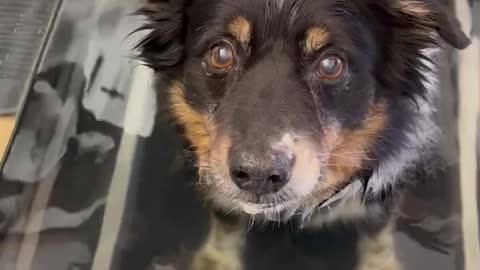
<point>284,102</point>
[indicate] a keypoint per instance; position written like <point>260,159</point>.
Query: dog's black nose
<point>260,174</point>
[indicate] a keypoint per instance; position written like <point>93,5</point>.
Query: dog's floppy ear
<point>425,16</point>
<point>162,48</point>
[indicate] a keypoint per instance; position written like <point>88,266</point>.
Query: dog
<point>303,112</point>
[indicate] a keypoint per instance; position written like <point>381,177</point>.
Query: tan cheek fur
<point>348,156</point>
<point>307,166</point>
<point>219,156</point>
<point>198,127</point>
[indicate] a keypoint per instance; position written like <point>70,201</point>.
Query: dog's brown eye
<point>222,57</point>
<point>331,67</point>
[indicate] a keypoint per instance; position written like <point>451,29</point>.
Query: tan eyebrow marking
<point>241,29</point>
<point>315,38</point>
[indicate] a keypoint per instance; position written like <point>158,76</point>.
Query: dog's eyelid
<point>330,48</point>
<point>211,68</point>
<point>312,63</point>
<point>228,37</point>
<point>333,50</point>
<point>202,48</point>
<point>205,45</point>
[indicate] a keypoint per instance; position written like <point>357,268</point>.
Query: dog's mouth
<point>297,198</point>
<point>284,210</point>
<point>310,182</point>
<point>274,212</point>
<point>256,209</point>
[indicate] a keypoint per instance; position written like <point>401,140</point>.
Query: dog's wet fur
<point>273,136</point>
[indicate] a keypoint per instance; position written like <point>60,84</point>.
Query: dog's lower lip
<point>257,208</point>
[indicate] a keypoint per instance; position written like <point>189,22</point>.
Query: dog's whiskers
<point>251,223</point>
<point>329,187</point>
<point>231,210</point>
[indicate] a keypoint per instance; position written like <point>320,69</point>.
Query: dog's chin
<point>272,208</point>
<point>273,212</point>
<point>343,205</point>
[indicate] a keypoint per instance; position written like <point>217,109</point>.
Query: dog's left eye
<point>221,57</point>
<point>331,67</point>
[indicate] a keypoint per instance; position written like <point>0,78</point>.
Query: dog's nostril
<point>241,175</point>
<point>260,173</point>
<point>275,179</point>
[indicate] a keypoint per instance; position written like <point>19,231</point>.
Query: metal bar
<point>469,95</point>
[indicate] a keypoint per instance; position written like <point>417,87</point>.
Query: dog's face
<point>285,101</point>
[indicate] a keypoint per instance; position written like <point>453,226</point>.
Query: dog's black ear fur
<point>162,48</point>
<point>408,29</point>
<point>425,17</point>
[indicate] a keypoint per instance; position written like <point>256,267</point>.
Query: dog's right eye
<point>331,67</point>
<point>221,57</point>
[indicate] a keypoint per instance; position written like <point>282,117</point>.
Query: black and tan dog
<point>301,112</point>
